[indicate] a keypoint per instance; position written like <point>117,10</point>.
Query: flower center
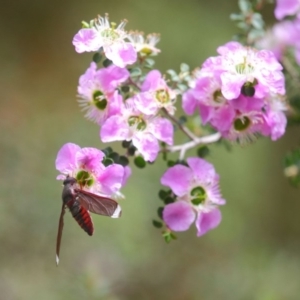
<point>244,67</point>
<point>99,101</point>
<point>137,121</point>
<point>242,123</point>
<point>218,96</point>
<point>110,33</point>
<point>146,50</point>
<point>162,96</point>
<point>198,195</point>
<point>248,88</point>
<point>84,178</point>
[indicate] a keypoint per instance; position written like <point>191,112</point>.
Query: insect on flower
<point>80,203</point>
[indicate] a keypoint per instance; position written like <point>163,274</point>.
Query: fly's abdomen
<point>82,216</point>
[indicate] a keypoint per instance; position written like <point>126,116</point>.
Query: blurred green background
<point>254,254</point>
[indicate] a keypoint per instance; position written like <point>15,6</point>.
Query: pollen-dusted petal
<point>111,179</point>
<point>89,158</point>
<point>114,128</point>
<point>147,145</point>
<point>207,221</point>
<point>178,179</point>
<point>178,216</point>
<point>202,169</point>
<point>87,40</point>
<point>162,129</point>
<point>66,157</point>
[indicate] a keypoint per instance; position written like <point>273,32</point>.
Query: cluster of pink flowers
<point>196,187</point>
<point>284,35</point>
<point>240,93</point>
<point>85,165</point>
<point>137,118</point>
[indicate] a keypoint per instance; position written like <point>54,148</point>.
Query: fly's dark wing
<point>59,232</point>
<point>98,204</point>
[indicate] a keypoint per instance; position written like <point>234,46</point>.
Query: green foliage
<point>139,162</point>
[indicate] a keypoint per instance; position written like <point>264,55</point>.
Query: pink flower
<point>198,196</point>
<point>144,46</point>
<point>240,66</point>
<point>286,8</point>
<point>155,94</point>
<point>110,38</point>
<point>236,91</point>
<point>281,37</point>
<point>97,92</point>
<point>143,130</point>
<point>85,164</point>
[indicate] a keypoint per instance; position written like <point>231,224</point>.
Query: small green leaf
<point>135,72</point>
<point>131,150</point>
<point>167,236</point>
<point>123,160</point>
<point>97,57</point>
<point>114,156</point>
<point>126,144</point>
<point>107,151</point>
<point>149,63</point>
<point>171,163</point>
<point>182,119</point>
<point>169,200</point>
<point>162,194</point>
<point>173,236</point>
<point>203,151</point>
<point>157,224</point>
<point>84,24</point>
<point>106,63</point>
<point>107,161</point>
<point>125,89</point>
<point>139,162</point>
<point>160,212</point>
<point>184,67</point>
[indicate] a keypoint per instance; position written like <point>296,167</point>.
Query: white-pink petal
<point>87,40</point>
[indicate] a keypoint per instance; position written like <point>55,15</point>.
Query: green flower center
<point>218,96</point>
<point>242,123</point>
<point>162,96</point>
<point>244,67</point>
<point>84,178</point>
<point>146,51</point>
<point>138,122</point>
<point>198,194</point>
<point>99,101</point>
<point>110,33</point>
